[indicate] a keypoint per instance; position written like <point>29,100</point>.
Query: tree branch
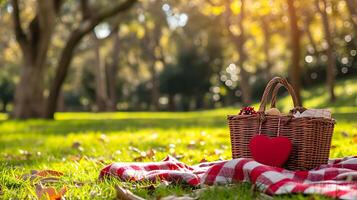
<point>19,33</point>
<point>68,51</point>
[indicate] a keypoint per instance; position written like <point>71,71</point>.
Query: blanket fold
<point>337,179</point>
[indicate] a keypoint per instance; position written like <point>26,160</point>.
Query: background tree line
<point>60,55</point>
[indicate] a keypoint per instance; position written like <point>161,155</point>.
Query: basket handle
<point>275,94</point>
<point>275,84</point>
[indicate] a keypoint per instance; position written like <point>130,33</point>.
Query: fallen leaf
<point>49,172</point>
<point>134,149</point>
<point>49,192</point>
<point>177,156</point>
<point>25,153</point>
<point>345,134</point>
<point>77,145</point>
<point>124,194</point>
<point>78,184</point>
<point>191,145</point>
<point>41,174</point>
<point>103,138</point>
<point>151,153</point>
<point>355,139</point>
<point>75,158</point>
<point>148,154</point>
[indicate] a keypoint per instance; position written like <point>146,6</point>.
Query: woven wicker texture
<point>310,136</point>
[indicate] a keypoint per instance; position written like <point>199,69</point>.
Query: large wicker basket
<point>310,136</point>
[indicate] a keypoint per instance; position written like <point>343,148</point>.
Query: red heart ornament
<point>270,151</point>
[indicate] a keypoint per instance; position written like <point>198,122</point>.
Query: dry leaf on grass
<point>192,145</point>
<point>124,194</point>
<point>77,145</point>
<point>103,138</point>
<point>26,154</point>
<point>148,154</point>
<point>177,156</point>
<point>49,193</point>
<point>49,172</point>
<point>75,158</point>
<point>134,149</point>
<point>345,134</point>
<point>45,175</point>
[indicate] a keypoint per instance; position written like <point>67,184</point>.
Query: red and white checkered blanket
<point>337,179</point>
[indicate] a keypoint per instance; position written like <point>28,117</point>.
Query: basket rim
<point>322,119</point>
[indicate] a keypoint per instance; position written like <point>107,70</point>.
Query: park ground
<point>80,144</point>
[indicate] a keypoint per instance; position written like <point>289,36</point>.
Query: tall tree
<point>294,71</point>
<point>87,24</point>
<point>34,43</point>
<point>321,7</point>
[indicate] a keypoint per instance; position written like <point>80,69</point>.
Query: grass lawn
<point>80,144</point>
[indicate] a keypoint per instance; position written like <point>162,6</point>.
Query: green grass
<point>41,144</point>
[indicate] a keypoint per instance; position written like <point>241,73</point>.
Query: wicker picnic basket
<point>310,136</point>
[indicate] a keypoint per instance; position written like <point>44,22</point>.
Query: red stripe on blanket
<point>340,174</point>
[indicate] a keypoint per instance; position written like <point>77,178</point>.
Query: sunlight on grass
<point>103,138</point>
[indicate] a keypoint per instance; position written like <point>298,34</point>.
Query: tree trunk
<point>331,60</point>
<point>199,100</point>
<point>244,75</point>
<point>61,73</point>
<point>61,103</point>
<point>112,69</point>
<point>34,44</point>
<point>29,97</point>
<point>4,106</point>
<point>100,78</point>
<point>172,103</point>
<point>294,71</point>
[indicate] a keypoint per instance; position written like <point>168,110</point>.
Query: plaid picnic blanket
<point>337,179</point>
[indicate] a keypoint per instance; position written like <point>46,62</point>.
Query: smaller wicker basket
<point>310,136</point>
